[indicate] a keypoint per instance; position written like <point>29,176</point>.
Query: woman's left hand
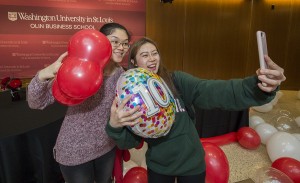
<point>271,77</point>
<point>120,117</point>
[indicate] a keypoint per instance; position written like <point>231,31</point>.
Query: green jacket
<point>180,152</point>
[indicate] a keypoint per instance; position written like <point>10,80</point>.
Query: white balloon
<point>271,175</point>
<point>144,164</point>
<point>297,119</point>
<point>285,124</point>
<point>279,94</point>
<point>128,165</point>
<point>284,112</point>
<point>297,135</point>
<point>265,131</point>
<point>137,155</point>
<point>264,108</point>
<point>276,98</point>
<point>255,120</point>
<point>274,101</point>
<point>283,144</point>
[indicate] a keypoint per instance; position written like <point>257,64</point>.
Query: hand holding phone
<point>262,48</point>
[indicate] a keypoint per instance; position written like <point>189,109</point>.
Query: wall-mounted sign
<point>34,33</point>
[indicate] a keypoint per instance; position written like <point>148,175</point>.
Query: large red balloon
<point>289,166</point>
<point>248,138</point>
<point>62,97</point>
<point>79,79</point>
<point>217,166</point>
<point>136,175</point>
<point>221,139</point>
<point>90,45</point>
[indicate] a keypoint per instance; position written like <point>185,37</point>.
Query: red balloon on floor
<point>136,175</point>
<point>248,138</point>
<point>217,166</point>
<point>221,139</point>
<point>289,166</point>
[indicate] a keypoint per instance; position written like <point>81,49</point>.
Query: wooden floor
<point>244,163</point>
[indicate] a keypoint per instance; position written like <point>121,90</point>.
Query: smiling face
<point>148,57</point>
<point>119,41</point>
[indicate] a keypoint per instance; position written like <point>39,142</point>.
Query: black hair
<point>162,71</point>
<point>109,28</point>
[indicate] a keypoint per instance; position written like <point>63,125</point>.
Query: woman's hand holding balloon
<point>50,71</point>
<point>272,77</point>
<point>120,118</point>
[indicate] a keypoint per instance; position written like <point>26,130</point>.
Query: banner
<point>34,33</point>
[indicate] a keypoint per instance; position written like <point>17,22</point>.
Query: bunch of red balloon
<point>282,147</point>
<point>81,73</point>
<point>217,166</point>
<point>250,139</point>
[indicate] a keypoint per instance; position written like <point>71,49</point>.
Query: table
<point>27,137</point>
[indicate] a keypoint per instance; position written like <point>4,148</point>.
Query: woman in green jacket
<point>180,153</point>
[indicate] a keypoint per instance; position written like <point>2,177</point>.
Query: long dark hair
<point>109,28</point>
<point>162,70</point>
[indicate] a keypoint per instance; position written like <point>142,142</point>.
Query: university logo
<point>12,16</point>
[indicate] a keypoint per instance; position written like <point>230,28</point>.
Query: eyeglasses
<point>116,44</point>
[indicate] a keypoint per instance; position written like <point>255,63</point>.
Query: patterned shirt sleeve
<point>39,94</point>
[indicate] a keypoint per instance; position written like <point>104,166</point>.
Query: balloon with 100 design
<point>154,97</point>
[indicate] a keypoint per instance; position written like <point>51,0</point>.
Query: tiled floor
<point>244,163</point>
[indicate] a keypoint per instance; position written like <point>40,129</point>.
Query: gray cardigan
<point>82,136</point>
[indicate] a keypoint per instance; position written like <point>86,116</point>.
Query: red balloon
<point>126,155</point>
<point>217,166</point>
<point>221,139</point>
<point>79,79</point>
<point>63,98</point>
<point>248,138</point>
<point>140,145</point>
<point>136,175</point>
<point>289,166</point>
<point>90,45</point>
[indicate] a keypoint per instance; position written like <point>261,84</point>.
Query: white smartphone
<point>262,48</point>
